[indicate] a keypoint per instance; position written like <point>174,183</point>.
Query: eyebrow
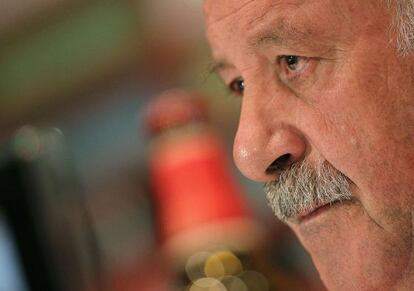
<point>282,35</point>
<point>216,66</point>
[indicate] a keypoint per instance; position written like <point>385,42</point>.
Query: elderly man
<point>327,123</point>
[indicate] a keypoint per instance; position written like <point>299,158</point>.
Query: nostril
<point>279,164</point>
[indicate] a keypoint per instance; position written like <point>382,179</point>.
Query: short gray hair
<point>403,13</point>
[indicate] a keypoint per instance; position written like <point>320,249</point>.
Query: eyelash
<point>232,86</point>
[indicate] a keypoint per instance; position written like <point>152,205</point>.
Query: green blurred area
<point>82,45</point>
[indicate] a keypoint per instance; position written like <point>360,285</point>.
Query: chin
<point>351,252</point>
<point>343,276</point>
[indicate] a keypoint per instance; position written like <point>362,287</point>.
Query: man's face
<point>321,82</point>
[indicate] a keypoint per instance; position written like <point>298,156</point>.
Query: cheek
<point>333,135</point>
<point>349,136</point>
<point>350,115</point>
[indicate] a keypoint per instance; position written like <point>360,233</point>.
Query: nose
<point>265,142</point>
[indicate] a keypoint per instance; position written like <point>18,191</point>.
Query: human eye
<point>237,86</point>
<point>292,66</point>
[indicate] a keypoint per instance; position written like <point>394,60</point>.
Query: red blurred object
<point>198,202</point>
<point>175,107</point>
<point>193,184</point>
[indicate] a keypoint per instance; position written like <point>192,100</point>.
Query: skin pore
<point>320,80</point>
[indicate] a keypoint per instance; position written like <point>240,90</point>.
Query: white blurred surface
<point>11,278</point>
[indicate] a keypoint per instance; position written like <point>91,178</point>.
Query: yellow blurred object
<point>207,284</point>
<point>222,263</point>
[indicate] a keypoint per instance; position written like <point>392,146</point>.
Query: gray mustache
<point>303,187</point>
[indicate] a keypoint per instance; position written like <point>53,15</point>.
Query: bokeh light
<point>207,284</point>
<point>222,263</point>
<point>195,265</point>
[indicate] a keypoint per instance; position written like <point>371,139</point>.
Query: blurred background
<point>95,191</point>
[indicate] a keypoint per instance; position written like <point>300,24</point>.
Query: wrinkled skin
<point>350,102</point>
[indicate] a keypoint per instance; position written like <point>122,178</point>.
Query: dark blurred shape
<point>41,205</point>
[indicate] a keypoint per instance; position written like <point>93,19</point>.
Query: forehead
<point>235,22</point>
<point>219,10</point>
